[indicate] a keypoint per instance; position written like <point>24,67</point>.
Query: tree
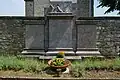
<point>111,4</point>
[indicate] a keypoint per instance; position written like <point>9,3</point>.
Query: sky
<point>17,8</point>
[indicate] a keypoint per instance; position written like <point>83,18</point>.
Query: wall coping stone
<point>42,18</point>
<point>99,18</point>
<point>60,16</point>
<point>21,17</point>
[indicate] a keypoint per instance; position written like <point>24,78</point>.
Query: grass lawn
<point>86,68</point>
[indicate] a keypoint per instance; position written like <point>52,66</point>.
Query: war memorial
<point>50,26</point>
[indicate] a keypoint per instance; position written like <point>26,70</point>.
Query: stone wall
<point>12,33</point>
<point>108,34</point>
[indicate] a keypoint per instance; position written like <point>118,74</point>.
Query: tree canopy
<point>111,4</point>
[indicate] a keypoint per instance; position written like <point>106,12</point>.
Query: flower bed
<point>13,65</point>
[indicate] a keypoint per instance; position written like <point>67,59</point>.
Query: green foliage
<point>111,4</point>
<point>58,62</point>
<point>59,56</point>
<point>116,64</point>
<point>16,64</point>
<point>80,67</point>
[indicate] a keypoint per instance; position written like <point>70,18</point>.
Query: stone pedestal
<point>60,33</point>
<point>86,38</point>
<point>34,36</point>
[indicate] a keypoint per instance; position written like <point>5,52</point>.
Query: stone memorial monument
<point>56,28</point>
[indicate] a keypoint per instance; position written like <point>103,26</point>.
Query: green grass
<point>79,67</point>
<point>16,64</point>
<point>89,64</point>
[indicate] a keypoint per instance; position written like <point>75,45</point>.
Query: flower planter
<point>67,63</point>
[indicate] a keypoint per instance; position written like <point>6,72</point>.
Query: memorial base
<point>69,54</point>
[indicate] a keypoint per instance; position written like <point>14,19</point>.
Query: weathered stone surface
<point>29,8</point>
<point>108,36</point>
<point>11,36</point>
<point>86,36</point>
<point>84,8</point>
<point>39,6</point>
<point>66,6</point>
<point>12,33</point>
<point>34,37</point>
<point>66,57</point>
<point>80,8</point>
<point>60,33</point>
<point>74,8</point>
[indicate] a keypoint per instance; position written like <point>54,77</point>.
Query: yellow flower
<point>61,52</point>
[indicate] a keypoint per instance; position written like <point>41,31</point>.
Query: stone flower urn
<point>59,62</point>
<point>59,65</point>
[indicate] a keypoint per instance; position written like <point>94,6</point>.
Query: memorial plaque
<point>34,37</point>
<point>86,36</point>
<point>60,35</point>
